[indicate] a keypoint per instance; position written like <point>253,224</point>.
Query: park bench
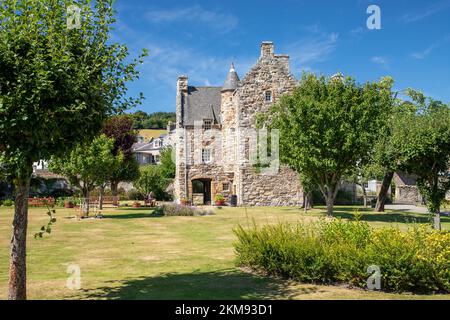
<point>41,202</point>
<point>112,200</point>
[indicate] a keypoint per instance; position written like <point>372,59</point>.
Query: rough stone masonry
<point>214,141</point>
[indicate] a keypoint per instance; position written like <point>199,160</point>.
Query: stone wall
<point>283,189</point>
<point>407,195</point>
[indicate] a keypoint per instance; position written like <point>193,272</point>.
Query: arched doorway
<point>201,189</point>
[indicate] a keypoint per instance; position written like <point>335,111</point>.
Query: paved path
<point>413,208</point>
<point>407,208</point>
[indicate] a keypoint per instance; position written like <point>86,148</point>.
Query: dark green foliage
<point>157,120</point>
<point>341,252</point>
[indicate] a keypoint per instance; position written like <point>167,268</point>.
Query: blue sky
<point>201,39</point>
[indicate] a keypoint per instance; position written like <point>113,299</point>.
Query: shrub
<point>8,203</point>
<point>133,194</point>
<point>180,210</point>
<point>340,252</point>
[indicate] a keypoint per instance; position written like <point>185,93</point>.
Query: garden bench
<point>106,200</point>
<point>41,202</point>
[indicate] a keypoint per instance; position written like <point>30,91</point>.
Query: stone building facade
<point>215,137</point>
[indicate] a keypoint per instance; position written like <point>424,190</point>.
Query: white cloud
<point>222,22</point>
<point>435,8</point>
<point>311,49</point>
<point>381,61</point>
<point>423,54</point>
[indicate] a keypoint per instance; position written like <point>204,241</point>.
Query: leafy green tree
<point>57,86</point>
<point>151,179</point>
<point>327,126</point>
<point>120,128</point>
<point>385,157</point>
<point>422,141</point>
<point>88,166</point>
<point>167,163</point>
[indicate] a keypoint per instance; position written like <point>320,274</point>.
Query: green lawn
<point>132,255</point>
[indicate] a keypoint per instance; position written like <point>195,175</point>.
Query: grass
<point>133,255</point>
<point>151,133</point>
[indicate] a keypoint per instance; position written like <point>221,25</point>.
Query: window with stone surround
<point>207,124</point>
<point>206,155</point>
<point>225,186</point>
<point>268,96</point>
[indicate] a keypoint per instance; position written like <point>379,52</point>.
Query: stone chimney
<point>182,84</point>
<point>284,60</point>
<point>182,90</point>
<point>266,49</point>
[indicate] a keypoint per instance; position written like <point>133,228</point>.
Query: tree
<point>57,86</point>
<point>168,168</point>
<point>120,128</point>
<point>157,120</point>
<point>422,141</point>
<point>386,156</point>
<point>88,166</point>
<point>152,180</point>
<point>327,126</point>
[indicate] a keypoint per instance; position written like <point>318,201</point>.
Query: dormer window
<point>268,96</point>
<point>207,124</point>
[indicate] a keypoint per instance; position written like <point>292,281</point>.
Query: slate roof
<point>202,103</point>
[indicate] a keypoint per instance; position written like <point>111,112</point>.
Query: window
<point>207,124</point>
<point>268,96</point>
<point>158,143</point>
<point>206,155</point>
<point>225,186</point>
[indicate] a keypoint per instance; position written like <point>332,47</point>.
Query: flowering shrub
<point>417,260</point>
<point>180,210</point>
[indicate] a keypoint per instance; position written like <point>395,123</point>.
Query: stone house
<point>215,136</point>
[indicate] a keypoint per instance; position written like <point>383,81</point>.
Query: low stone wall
<point>407,195</point>
<point>283,189</point>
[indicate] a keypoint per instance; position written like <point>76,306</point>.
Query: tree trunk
<point>330,202</point>
<point>307,201</point>
<point>18,266</point>
<point>364,196</point>
<point>100,198</point>
<point>382,195</point>
<point>114,188</point>
<point>437,202</point>
<point>85,209</point>
<point>437,220</point>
